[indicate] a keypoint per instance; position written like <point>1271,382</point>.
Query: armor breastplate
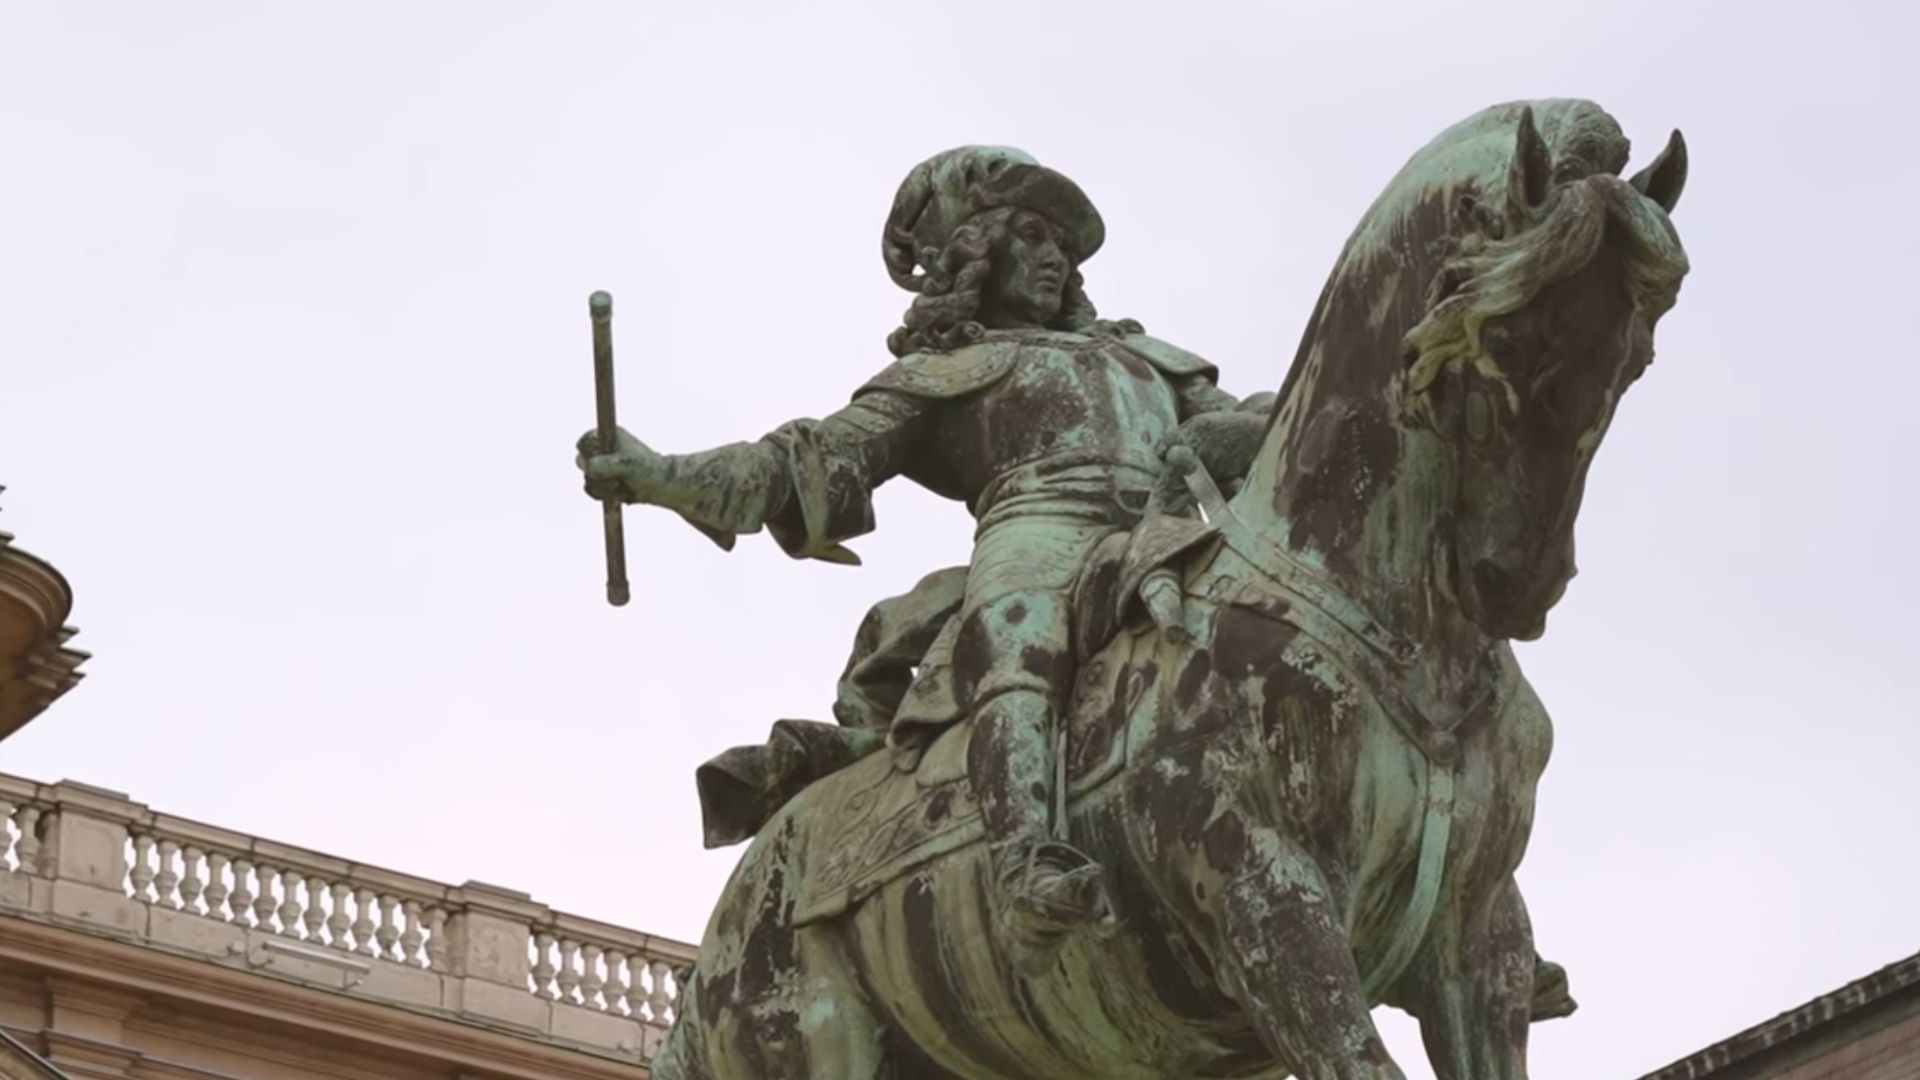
<point>1067,400</point>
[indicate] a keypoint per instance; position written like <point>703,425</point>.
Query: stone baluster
<point>217,891</point>
<point>414,939</point>
<point>315,917</point>
<point>363,922</point>
<point>617,986</point>
<point>140,873</point>
<point>242,898</point>
<point>337,921</point>
<point>386,939</point>
<point>6,834</point>
<point>27,848</point>
<point>590,978</point>
<point>569,975</point>
<point>166,882</point>
<point>543,969</point>
<point>192,884</point>
<point>290,883</point>
<point>264,900</point>
<point>438,951</point>
<point>660,1002</point>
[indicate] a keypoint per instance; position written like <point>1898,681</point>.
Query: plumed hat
<point>942,192</point>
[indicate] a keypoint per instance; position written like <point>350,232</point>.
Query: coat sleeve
<point>809,482</point>
<point>832,467</point>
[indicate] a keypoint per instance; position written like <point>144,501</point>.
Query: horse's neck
<point>1362,501</point>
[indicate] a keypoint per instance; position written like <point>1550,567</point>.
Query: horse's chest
<point>1437,828</point>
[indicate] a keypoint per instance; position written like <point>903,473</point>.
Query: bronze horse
<point>1313,800</point>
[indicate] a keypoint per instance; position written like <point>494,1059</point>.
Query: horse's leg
<point>1472,989</point>
<point>1284,954</point>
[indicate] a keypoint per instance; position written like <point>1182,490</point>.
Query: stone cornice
<point>374,1026</point>
<point>36,666</point>
<point>1802,1025</point>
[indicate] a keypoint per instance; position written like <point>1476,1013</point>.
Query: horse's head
<point>1466,360</point>
<point>1535,330</point>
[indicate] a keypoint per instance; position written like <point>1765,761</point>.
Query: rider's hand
<point>1225,442</point>
<point>632,473</point>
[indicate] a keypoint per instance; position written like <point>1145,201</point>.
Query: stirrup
<point>1056,889</point>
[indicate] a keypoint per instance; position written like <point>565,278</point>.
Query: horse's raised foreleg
<point>1472,989</point>
<point>1285,956</point>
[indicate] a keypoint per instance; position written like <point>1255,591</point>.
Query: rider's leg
<point>1014,666</point>
<point>1048,887</point>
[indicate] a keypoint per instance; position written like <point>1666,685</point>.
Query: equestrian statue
<point>1217,742</point>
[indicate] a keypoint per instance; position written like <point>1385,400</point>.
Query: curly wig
<point>946,314</point>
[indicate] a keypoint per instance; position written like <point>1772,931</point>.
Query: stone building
<point>135,944</point>
<point>1868,1029</point>
<point>35,664</point>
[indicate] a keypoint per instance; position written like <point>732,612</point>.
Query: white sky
<point>294,346</point>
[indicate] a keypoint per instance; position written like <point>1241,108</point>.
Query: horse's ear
<point>1663,180</point>
<point>1531,173</point>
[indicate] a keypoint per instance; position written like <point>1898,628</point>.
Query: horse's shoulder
<point>1257,634</point>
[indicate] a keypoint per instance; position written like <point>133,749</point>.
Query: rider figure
<point>1010,396</point>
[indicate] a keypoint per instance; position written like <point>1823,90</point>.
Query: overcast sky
<point>294,352</point>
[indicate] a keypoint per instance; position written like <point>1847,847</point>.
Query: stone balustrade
<point>93,860</point>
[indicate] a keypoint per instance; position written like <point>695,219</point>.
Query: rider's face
<point>1029,272</point>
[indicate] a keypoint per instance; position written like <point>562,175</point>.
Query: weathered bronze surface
<point>1217,743</point>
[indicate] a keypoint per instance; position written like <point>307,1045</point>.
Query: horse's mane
<point>1434,302</point>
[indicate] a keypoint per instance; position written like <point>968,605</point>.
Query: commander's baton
<point>600,307</point>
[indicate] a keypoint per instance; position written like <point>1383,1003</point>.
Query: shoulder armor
<point>1170,359</point>
<point>944,375</point>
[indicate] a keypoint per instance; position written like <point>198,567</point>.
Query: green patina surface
<point>1217,743</point>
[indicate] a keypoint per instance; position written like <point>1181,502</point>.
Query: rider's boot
<point>1045,889</point>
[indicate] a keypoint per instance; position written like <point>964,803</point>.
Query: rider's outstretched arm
<point>809,482</point>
